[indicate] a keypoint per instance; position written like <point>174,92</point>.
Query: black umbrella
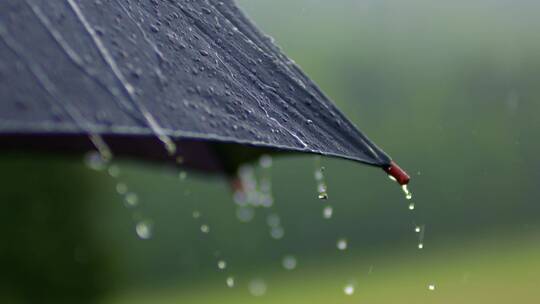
<point>198,75</point>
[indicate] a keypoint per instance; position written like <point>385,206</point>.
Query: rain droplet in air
<point>114,171</point>
<point>277,232</point>
<point>182,175</point>
<point>420,246</point>
<point>417,229</point>
<point>319,178</point>
<point>257,287</point>
<point>143,230</point>
<point>131,199</point>
<point>408,194</point>
<point>205,228</point>
<point>328,211</point>
<point>342,244</point>
<point>95,161</point>
<point>289,262</point>
<point>349,289</point>
<point>196,214</point>
<point>221,264</point>
<point>431,287</point>
<point>230,282</point>
<point>411,206</point>
<point>121,188</point>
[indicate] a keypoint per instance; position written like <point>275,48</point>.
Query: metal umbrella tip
<point>398,174</point>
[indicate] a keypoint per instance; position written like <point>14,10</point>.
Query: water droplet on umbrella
<point>143,230</point>
<point>257,287</point>
<point>342,244</point>
<point>289,262</point>
<point>348,289</point>
<point>230,282</point>
<point>327,212</point>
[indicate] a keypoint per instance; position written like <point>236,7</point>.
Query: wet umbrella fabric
<point>193,74</point>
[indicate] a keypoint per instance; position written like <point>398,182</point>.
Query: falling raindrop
<point>411,206</point>
<point>182,175</point>
<point>289,262</point>
<point>417,229</point>
<point>114,171</point>
<point>342,244</point>
<point>328,211</point>
<point>349,289</point>
<point>221,264</point>
<point>143,230</point>
<point>196,214</point>
<point>431,287</point>
<point>273,220</point>
<point>131,200</point>
<point>205,228</point>
<point>319,178</point>
<point>420,246</point>
<point>230,282</point>
<point>257,287</point>
<point>121,188</point>
<point>265,161</point>
<point>277,232</point>
<point>95,161</point>
<point>408,194</point>
<point>245,214</point>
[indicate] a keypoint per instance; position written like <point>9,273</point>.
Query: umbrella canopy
<point>126,75</point>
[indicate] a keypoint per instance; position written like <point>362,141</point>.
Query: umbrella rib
<point>48,86</point>
<point>129,89</point>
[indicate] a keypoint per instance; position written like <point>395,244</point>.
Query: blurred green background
<point>449,89</point>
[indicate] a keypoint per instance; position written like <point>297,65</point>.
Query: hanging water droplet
<point>327,212</point>
<point>348,289</point>
<point>411,206</point>
<point>205,228</point>
<point>420,246</point>
<point>196,214</point>
<point>143,230</point>
<point>342,244</point>
<point>431,287</point>
<point>408,194</point>
<point>289,262</point>
<point>257,287</point>
<point>230,282</point>
<point>131,199</point>
<point>221,264</point>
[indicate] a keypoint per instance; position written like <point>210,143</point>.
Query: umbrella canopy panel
<point>131,70</point>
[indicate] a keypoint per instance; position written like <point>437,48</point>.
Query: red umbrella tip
<point>397,173</point>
